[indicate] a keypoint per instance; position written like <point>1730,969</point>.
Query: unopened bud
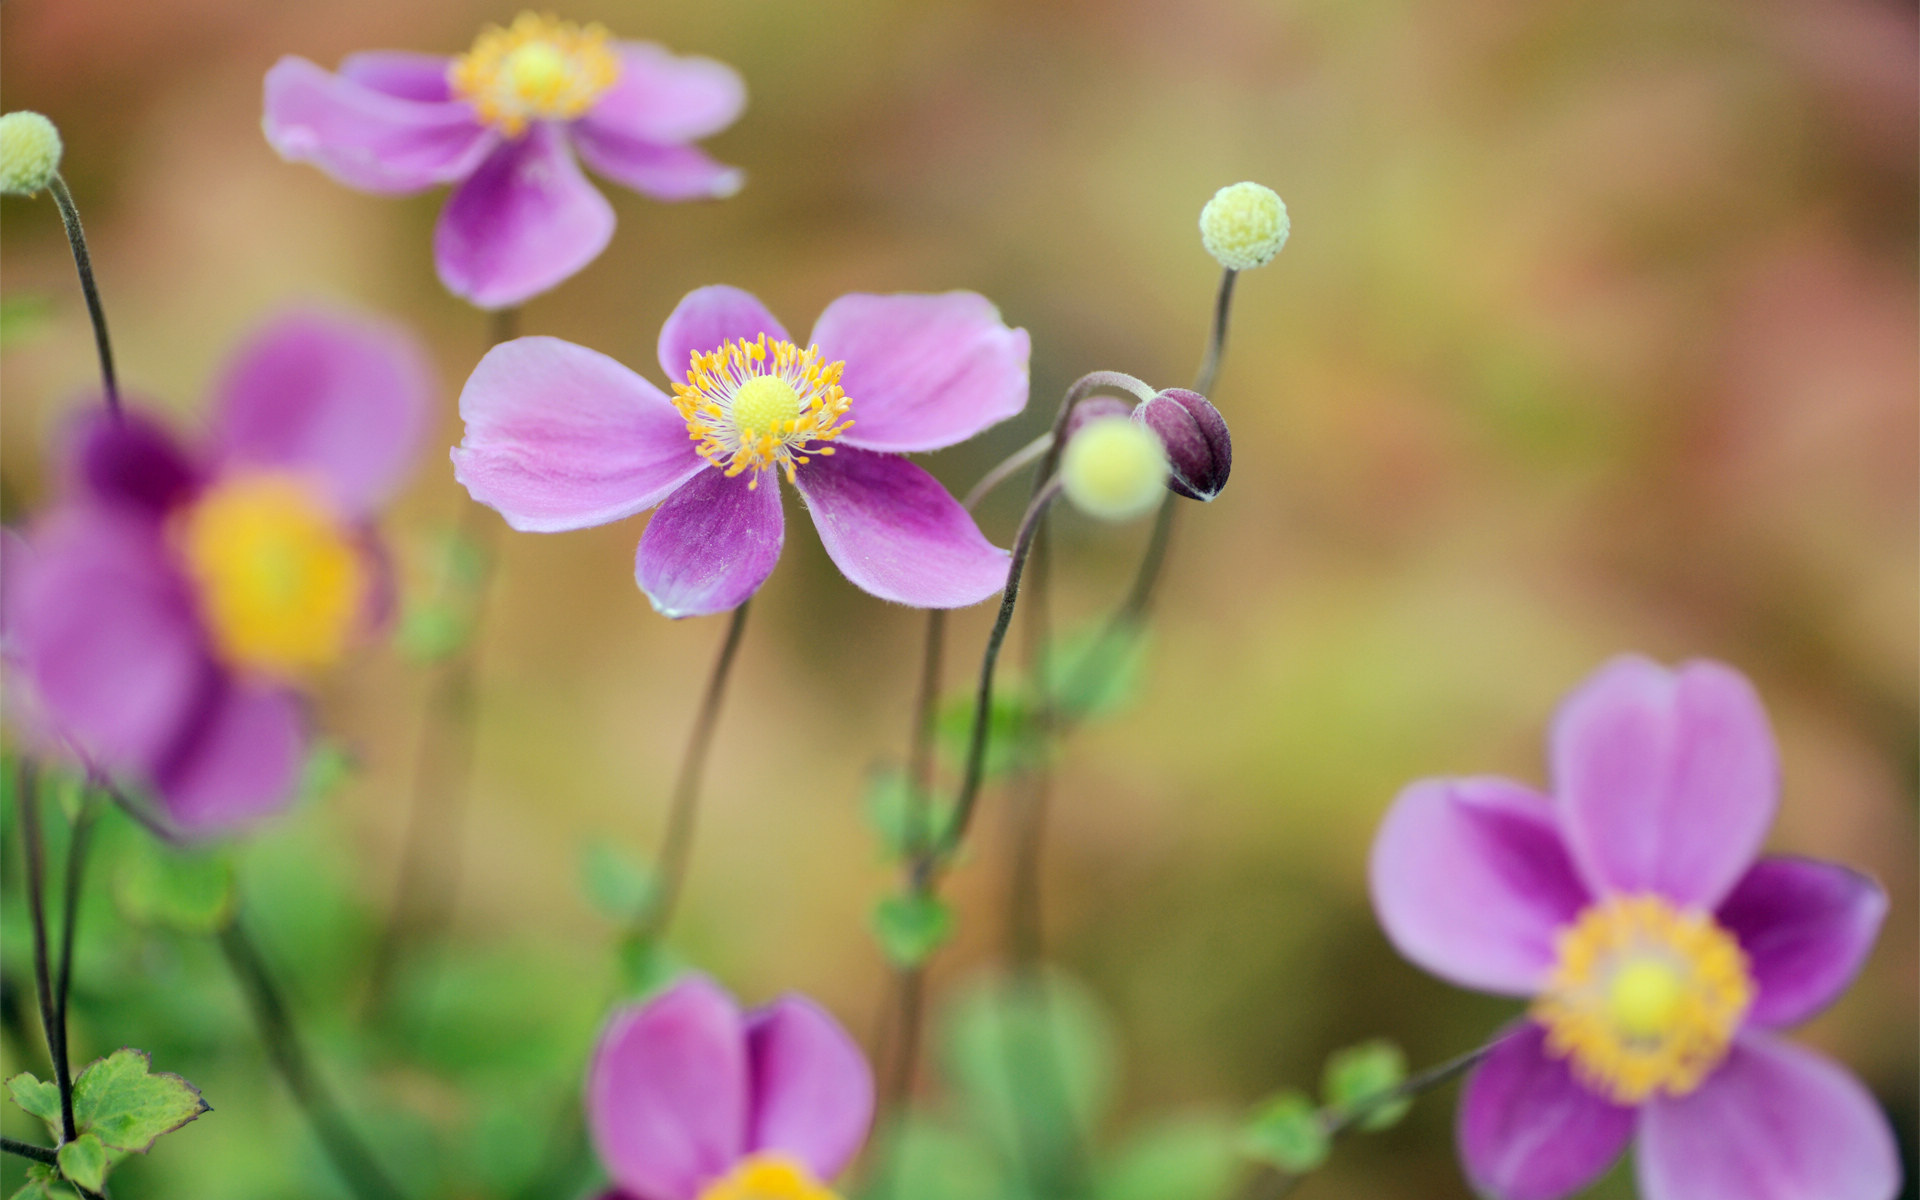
<point>1244,226</point>
<point>29,153</point>
<point>1114,469</point>
<point>1199,450</point>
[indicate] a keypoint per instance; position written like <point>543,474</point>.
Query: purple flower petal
<point>344,400</point>
<point>708,317</point>
<point>1528,1130</point>
<point>130,462</point>
<point>561,437</point>
<point>924,371</point>
<point>895,532</point>
<point>238,762</point>
<point>1805,927</point>
<point>812,1088</point>
<point>369,139</point>
<point>711,545</point>
<point>665,98</point>
<point>524,221</point>
<point>1775,1122</point>
<point>102,627</point>
<point>1471,881</point>
<point>662,172</point>
<point>1666,780</point>
<point>403,74</point>
<point>667,1092</point>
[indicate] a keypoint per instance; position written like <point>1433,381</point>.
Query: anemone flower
<point>503,123</point>
<point>688,1099</point>
<point>164,613</point>
<point>1661,956</point>
<point>561,437</point>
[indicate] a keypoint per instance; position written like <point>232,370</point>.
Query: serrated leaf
<point>84,1160</point>
<point>1356,1075</point>
<point>127,1105</point>
<point>172,887</point>
<point>615,882</point>
<point>1096,671</point>
<point>41,1183</point>
<point>889,809</point>
<point>1287,1133</point>
<point>39,1099</point>
<point>911,927</point>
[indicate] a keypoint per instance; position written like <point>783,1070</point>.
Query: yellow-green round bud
<point>1244,226</point>
<point>1114,469</point>
<point>29,153</point>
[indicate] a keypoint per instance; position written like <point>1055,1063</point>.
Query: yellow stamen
<point>1645,998</point>
<point>538,69</point>
<point>281,585</point>
<point>768,1177</point>
<point>751,405</point>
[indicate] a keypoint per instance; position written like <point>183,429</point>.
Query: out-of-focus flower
<point>503,122</point>
<point>1244,226</point>
<point>1114,469</point>
<point>1199,449</point>
<point>1659,953</point>
<point>29,153</point>
<point>560,437</point>
<point>163,614</point>
<point>689,1099</point>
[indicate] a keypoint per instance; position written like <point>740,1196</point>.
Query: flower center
<point>280,582</point>
<point>758,404</point>
<point>767,1177</point>
<point>537,69</point>
<point>1644,998</point>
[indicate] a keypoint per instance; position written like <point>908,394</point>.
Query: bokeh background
<point>1597,332</point>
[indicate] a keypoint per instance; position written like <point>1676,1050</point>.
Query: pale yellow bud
<point>1114,469</point>
<point>29,153</point>
<point>1244,226</point>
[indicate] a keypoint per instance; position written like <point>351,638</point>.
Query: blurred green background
<point>1597,332</point>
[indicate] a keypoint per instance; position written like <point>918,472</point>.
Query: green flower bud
<point>1244,226</point>
<point>29,153</point>
<point>1114,469</point>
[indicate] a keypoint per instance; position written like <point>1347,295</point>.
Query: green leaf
<point>433,630</point>
<point>1359,1073</point>
<point>21,318</point>
<point>175,888</point>
<point>327,769</point>
<point>889,807</point>
<point>911,927</point>
<point>40,1185</point>
<point>1287,1133</point>
<point>127,1106</point>
<point>40,1099</point>
<point>1096,671</point>
<point>84,1160</point>
<point>647,965</point>
<point>1188,1159</point>
<point>1014,738</point>
<point>618,884</point>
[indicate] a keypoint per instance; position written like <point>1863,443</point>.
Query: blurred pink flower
<point>502,122</point>
<point>1659,952</point>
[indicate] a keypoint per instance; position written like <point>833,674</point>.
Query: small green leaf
<point>646,966</point>
<point>1191,1158</point>
<point>40,1099</point>
<point>175,888</point>
<point>84,1160</point>
<point>1014,738</point>
<point>619,885</point>
<point>432,630</point>
<point>911,927</point>
<point>1287,1133</point>
<point>1356,1075</point>
<point>41,1183</point>
<point>120,1099</point>
<point>889,806</point>
<point>1096,671</point>
<point>466,560</point>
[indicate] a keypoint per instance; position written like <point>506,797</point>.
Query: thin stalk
<point>39,1154</point>
<point>1217,336</point>
<point>349,1155</point>
<point>1007,469</point>
<point>52,1022</point>
<point>83,263</point>
<point>76,868</point>
<point>676,847</point>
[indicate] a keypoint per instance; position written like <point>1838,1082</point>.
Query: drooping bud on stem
<point>1244,226</point>
<point>1199,450</point>
<point>1114,469</point>
<point>29,153</point>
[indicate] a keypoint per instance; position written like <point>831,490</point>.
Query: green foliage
<point>1095,672</point>
<point>646,965</point>
<point>1194,1159</point>
<point>21,319</point>
<point>38,1099</point>
<point>922,1159</point>
<point>173,887</point>
<point>43,1183</point>
<point>1014,736</point>
<point>616,883</point>
<point>326,771</point>
<point>1287,1132</point>
<point>84,1160</point>
<point>911,927</point>
<point>120,1100</point>
<point>888,803</point>
<point>1357,1074</point>
<point>432,630</point>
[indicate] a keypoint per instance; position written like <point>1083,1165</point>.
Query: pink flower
<point>162,616</point>
<point>502,122</point>
<point>1659,953</point>
<point>689,1100</point>
<point>559,437</point>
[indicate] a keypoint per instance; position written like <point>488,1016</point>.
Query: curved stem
<point>76,867</point>
<point>83,263</point>
<point>1217,336</point>
<point>52,1020</point>
<point>1007,468</point>
<point>677,845</point>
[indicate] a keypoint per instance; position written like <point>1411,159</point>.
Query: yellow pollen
<point>753,405</point>
<point>538,69</point>
<point>281,586</point>
<point>1644,998</point>
<point>768,1177</point>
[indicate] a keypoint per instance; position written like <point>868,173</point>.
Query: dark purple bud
<point>1199,452</point>
<point>1093,408</point>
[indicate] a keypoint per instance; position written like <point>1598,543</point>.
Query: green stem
<point>52,1019</point>
<point>83,263</point>
<point>1217,335</point>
